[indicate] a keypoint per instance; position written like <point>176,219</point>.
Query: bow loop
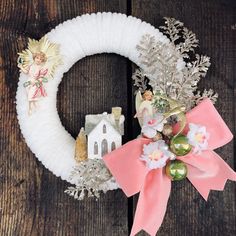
<point>208,172</point>
<point>206,115</point>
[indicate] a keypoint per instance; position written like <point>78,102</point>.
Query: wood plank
<point>213,22</point>
<point>32,201</point>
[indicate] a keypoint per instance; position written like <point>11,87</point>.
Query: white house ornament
<point>102,134</point>
<point>166,83</point>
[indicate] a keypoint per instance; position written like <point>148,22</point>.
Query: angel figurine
<point>38,62</point>
<point>144,107</point>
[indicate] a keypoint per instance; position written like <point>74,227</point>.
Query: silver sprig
<point>165,65</point>
<point>140,80</point>
<point>90,177</point>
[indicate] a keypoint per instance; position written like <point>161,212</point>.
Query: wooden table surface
<point>32,199</point>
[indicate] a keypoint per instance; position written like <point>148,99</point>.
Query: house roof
<point>91,121</point>
<point>106,122</point>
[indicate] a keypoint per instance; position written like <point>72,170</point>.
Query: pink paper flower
<point>155,154</point>
<point>153,124</point>
<point>198,137</point>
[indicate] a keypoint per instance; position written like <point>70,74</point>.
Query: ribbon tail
<point>208,172</point>
<point>152,203</point>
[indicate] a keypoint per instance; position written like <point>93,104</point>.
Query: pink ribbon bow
<point>206,171</point>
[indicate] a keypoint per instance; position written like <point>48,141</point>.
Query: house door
<point>104,147</point>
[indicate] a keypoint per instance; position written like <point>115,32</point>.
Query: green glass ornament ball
<point>179,145</point>
<point>176,170</point>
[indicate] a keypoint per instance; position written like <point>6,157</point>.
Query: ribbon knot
<point>206,171</point>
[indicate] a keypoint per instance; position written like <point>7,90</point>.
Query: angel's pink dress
<point>34,92</point>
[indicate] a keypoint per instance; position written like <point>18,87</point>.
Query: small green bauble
<point>179,145</point>
<point>176,170</point>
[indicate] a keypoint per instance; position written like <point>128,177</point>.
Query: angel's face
<point>38,60</point>
<point>148,96</point>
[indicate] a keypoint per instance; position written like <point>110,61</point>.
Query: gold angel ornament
<point>39,62</point>
<point>177,109</point>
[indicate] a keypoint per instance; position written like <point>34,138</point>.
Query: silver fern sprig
<point>206,94</point>
<point>140,80</point>
<point>172,28</point>
<point>165,67</point>
<point>176,31</point>
<point>189,44</point>
<point>90,177</point>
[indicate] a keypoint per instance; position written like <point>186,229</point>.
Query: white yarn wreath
<point>80,37</point>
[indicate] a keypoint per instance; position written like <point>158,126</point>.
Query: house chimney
<point>116,111</point>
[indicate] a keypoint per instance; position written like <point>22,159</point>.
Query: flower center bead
<point>199,137</point>
<point>156,155</point>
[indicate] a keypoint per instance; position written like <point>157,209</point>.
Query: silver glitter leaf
<point>90,178</point>
<point>165,65</point>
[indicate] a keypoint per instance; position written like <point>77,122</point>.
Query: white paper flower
<point>155,154</point>
<point>153,124</point>
<point>198,137</point>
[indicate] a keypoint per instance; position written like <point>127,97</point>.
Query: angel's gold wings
<point>176,109</point>
<point>51,51</point>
